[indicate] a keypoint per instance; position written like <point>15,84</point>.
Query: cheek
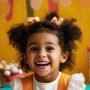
<point>57,58</point>
<point>30,61</point>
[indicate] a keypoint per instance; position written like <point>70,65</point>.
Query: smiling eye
<point>49,49</point>
<point>33,49</point>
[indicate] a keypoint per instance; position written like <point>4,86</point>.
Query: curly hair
<point>67,32</point>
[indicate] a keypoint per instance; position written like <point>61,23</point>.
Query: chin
<point>42,74</point>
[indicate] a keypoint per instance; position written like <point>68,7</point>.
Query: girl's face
<point>44,56</point>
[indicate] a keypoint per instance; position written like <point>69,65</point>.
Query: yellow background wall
<point>79,9</point>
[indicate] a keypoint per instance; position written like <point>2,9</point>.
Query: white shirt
<point>76,83</point>
<point>46,86</point>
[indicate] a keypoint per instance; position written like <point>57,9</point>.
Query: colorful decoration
<point>6,8</point>
<point>10,71</point>
<point>53,5</point>
<point>35,4</point>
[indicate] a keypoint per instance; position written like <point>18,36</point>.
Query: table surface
<point>88,87</point>
<point>8,87</point>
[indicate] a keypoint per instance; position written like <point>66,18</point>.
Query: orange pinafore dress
<point>27,82</point>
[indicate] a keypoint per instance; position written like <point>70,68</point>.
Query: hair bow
<point>32,20</point>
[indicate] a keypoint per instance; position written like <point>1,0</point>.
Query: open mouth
<point>42,63</point>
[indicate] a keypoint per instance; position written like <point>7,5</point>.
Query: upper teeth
<point>41,62</point>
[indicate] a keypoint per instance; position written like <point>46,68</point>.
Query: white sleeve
<point>77,82</point>
<point>16,84</point>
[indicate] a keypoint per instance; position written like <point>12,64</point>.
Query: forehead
<point>43,38</point>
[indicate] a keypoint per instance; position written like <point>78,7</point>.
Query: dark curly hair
<point>67,32</point>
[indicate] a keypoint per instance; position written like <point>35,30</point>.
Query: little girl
<point>46,48</point>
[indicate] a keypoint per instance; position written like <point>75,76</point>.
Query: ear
<point>64,57</point>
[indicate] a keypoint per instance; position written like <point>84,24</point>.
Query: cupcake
<point>10,71</point>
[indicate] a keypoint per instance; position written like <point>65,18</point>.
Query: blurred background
<point>16,11</point>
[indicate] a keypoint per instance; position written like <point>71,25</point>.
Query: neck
<point>46,79</point>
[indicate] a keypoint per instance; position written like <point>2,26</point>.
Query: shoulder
<point>18,82</point>
<point>76,82</point>
<point>27,83</point>
<point>27,78</point>
<point>65,77</point>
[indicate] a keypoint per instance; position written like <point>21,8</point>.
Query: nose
<point>42,53</point>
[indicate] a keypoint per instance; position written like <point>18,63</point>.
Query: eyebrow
<point>34,43</point>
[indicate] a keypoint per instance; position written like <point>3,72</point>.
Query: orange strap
<point>63,81</point>
<point>27,82</point>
